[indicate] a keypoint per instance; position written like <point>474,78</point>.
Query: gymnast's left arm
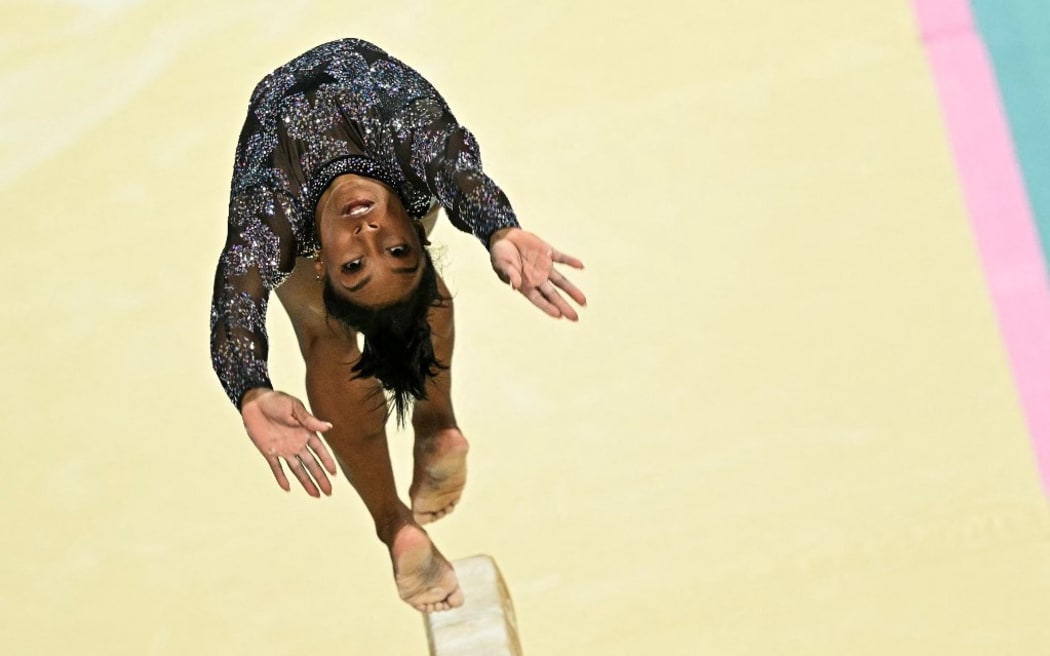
<point>443,156</point>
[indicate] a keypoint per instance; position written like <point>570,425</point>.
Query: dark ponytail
<point>398,349</point>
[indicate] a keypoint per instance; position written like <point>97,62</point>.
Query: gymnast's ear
<point>318,266</point>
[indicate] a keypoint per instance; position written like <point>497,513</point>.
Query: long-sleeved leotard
<point>343,107</point>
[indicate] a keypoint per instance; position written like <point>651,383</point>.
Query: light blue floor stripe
<point>1017,33</point>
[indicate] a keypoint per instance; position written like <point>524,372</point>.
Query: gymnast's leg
<point>357,411</point>
<point>440,450</point>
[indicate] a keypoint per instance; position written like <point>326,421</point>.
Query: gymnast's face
<point>370,250</point>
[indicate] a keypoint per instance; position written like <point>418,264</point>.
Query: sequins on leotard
<point>343,107</point>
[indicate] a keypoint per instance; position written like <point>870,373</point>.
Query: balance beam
<point>484,625</point>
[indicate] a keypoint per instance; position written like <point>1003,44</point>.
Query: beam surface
<point>485,624</point>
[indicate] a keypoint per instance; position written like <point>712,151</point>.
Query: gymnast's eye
<point>400,251</point>
<point>352,266</point>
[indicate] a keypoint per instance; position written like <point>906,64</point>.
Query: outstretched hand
<point>281,427</point>
<point>526,262</point>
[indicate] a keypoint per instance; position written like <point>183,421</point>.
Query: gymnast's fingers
<point>536,298</point>
<point>555,299</point>
<point>310,422</point>
<point>278,473</point>
<point>318,447</point>
<point>297,467</point>
<point>563,258</point>
<point>315,471</point>
<point>572,290</point>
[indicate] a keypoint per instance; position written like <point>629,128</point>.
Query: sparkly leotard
<point>343,107</point>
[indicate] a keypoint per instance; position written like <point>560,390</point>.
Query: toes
<point>434,607</point>
<point>428,516</point>
<point>455,600</point>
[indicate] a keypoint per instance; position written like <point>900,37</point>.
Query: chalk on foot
<point>484,625</point>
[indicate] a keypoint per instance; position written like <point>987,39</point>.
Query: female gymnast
<point>344,159</point>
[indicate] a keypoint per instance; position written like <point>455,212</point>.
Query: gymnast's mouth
<point>358,207</point>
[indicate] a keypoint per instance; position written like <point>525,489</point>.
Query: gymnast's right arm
<point>258,255</point>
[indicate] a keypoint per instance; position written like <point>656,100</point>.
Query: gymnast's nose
<point>366,226</point>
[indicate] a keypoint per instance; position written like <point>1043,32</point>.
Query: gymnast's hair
<point>398,348</point>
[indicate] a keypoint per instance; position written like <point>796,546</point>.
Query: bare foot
<point>439,475</point>
<point>425,580</point>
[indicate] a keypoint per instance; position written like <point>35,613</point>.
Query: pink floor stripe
<point>997,203</point>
